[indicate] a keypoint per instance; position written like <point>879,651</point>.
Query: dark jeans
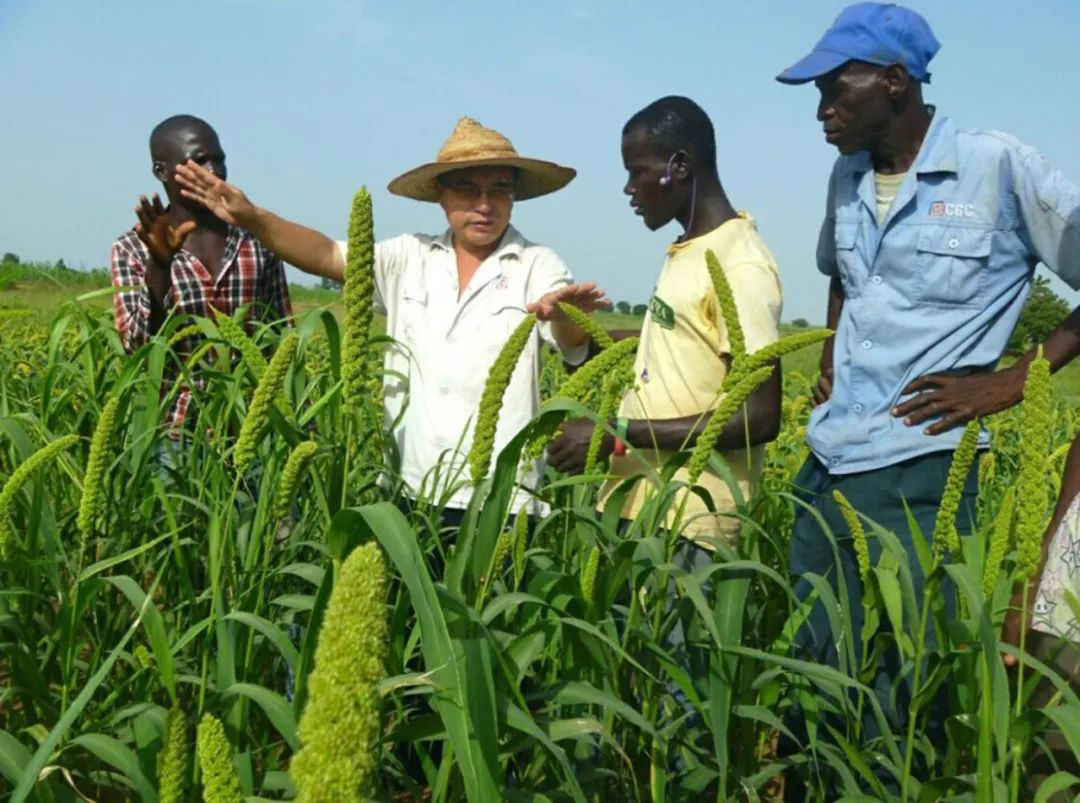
<point>881,495</point>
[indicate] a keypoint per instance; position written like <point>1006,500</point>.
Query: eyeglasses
<point>501,191</point>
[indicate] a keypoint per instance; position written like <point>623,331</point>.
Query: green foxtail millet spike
<point>589,324</point>
<point>986,469</point>
<point>340,728</point>
<point>290,476</point>
<point>358,295</point>
<point>258,413</point>
<point>18,478</point>
<point>1000,538</point>
<point>172,772</point>
<point>774,351</point>
<point>609,405</point>
<point>585,386</point>
<point>199,353</point>
<point>487,413</point>
<point>1031,503</point>
<point>729,405</point>
<point>589,376</point>
<point>184,333</point>
<point>857,531</point>
<point>219,780</point>
<point>588,574</point>
<point>495,569</point>
<point>728,309</point>
<point>945,534</point>
<point>92,503</point>
<point>142,656</point>
<point>233,333</point>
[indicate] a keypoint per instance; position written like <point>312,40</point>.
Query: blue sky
<point>313,98</point>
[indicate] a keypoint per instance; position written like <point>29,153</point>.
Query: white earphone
<point>665,180</point>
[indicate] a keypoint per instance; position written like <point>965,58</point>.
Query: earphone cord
<point>693,203</point>
<point>666,181</point>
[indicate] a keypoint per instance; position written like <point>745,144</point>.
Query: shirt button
<point>876,280</point>
<point>835,461</point>
<point>857,407</point>
<point>444,391</point>
<point>866,344</point>
<point>953,243</point>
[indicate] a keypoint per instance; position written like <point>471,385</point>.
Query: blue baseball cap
<point>878,33</point>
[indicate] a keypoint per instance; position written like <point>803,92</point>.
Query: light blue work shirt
<point>939,286</point>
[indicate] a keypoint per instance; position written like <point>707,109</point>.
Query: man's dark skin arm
<point>823,390</point>
<point>959,399</point>
<point>162,240</point>
<point>759,419</point>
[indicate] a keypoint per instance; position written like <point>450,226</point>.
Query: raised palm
<point>225,200</point>
<point>154,228</point>
<point>586,296</point>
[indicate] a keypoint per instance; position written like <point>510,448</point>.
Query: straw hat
<point>472,145</point>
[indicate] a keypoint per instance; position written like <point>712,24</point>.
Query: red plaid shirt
<point>251,275</point>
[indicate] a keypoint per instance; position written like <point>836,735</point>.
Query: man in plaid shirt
<point>184,260</point>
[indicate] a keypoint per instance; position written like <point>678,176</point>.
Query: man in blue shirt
<point>930,239</point>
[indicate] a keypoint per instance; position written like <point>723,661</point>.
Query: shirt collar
<point>938,151</point>
<point>680,245</point>
<point>233,239</point>
<point>511,245</point>
<point>937,154</point>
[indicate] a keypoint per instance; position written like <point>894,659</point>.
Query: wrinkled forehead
<point>481,176</point>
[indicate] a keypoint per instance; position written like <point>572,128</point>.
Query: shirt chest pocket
<point>952,264</point>
<point>412,314</point>
<point>848,259</point>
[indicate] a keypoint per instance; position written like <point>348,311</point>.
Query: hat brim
<point>535,178</point>
<point>815,65</point>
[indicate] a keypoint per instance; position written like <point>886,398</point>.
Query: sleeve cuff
<point>575,355</point>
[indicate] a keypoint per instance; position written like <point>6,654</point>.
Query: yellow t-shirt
<point>683,358</point>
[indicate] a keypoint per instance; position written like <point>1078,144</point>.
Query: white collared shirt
<point>445,345</point>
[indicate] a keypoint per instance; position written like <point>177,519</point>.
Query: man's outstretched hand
<point>959,399</point>
<point>154,228</point>
<point>586,296</point>
<point>225,200</point>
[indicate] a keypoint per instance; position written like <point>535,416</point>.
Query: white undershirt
<point>885,188</point>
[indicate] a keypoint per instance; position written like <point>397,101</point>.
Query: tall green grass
<point>522,663</point>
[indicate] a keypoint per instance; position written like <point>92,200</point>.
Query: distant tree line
<point>1043,311</point>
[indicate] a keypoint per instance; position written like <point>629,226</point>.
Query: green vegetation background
<point>44,287</point>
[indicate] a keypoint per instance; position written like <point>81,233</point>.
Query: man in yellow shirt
<point>669,151</point>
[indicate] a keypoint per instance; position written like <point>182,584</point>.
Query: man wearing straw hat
<point>451,300</point>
